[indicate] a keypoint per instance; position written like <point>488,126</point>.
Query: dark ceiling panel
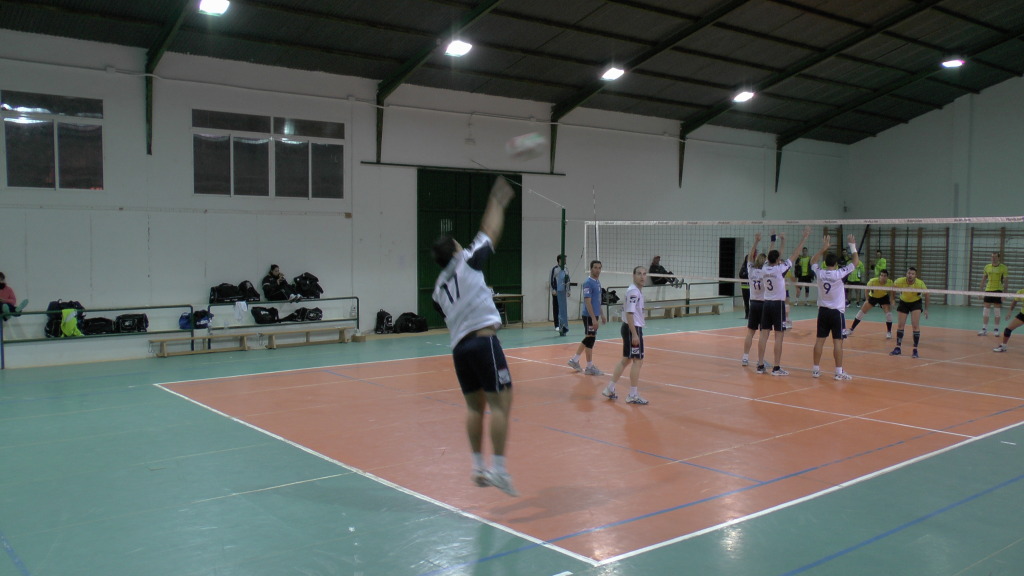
<point>551,51</point>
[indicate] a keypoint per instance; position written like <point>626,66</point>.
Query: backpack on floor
<point>384,325</point>
<point>410,322</point>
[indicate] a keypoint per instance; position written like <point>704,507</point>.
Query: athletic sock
<point>633,391</point>
<point>899,337</point>
<point>576,358</point>
<point>499,464</point>
<point>917,337</point>
<point>888,326</point>
<point>478,461</point>
<point>855,322</point>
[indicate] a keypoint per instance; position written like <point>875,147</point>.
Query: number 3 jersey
<point>831,293</point>
<point>462,293</point>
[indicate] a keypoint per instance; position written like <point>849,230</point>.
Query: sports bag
<point>248,292</point>
<point>55,317</point>
<point>225,293</point>
<point>127,323</point>
<point>410,322</point>
<point>197,319</point>
<point>384,325</point>
<point>91,326</point>
<point>264,315</point>
<point>307,285</point>
<point>304,315</point>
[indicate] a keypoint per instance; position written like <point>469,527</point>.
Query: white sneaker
<point>744,362</point>
<point>1000,348</point>
<point>815,373</point>
<point>982,332</point>
<point>593,371</point>
<point>500,480</point>
<point>843,376</point>
<point>760,368</point>
<point>888,335</point>
<point>574,365</point>
<point>609,394</point>
<point>996,333</point>
<point>779,372</point>
<point>635,399</point>
<point>479,478</point>
<point>846,333</point>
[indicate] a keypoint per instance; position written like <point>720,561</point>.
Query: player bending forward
<point>1015,323</point>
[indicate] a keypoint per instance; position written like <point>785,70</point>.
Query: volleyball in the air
<point>526,146</point>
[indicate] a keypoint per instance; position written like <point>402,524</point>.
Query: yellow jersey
<point>909,296</point>
<point>878,293</point>
<point>995,275</point>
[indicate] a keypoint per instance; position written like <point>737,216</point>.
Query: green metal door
<point>451,202</point>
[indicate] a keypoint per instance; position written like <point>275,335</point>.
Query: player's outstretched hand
<point>502,192</point>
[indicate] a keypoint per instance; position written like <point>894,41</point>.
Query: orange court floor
<point>352,459</point>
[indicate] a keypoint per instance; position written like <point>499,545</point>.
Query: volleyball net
<point>950,254</point>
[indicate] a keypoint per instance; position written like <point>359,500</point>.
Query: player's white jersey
<point>462,293</point>
<point>831,293</point>
<point>775,280</point>
<point>755,277</point>
<point>634,303</point>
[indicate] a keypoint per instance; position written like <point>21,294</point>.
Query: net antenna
<point>949,253</point>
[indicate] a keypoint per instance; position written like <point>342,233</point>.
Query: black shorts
<point>773,315</point>
<point>628,351</point>
<point>908,307</point>
<point>831,321</point>
<point>756,311</point>
<point>480,364</point>
<point>993,300</point>
<point>808,279</point>
<point>589,325</point>
<point>1020,316</point>
<point>883,301</point>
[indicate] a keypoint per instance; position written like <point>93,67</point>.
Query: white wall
<point>147,239</point>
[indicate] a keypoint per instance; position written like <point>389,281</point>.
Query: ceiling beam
<point>559,110</point>
<point>821,120</point>
<point>804,64</point>
<point>153,56</point>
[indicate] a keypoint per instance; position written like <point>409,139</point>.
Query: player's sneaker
<point>593,371</point>
<point>1000,348</point>
<point>760,368</point>
<point>983,332</point>
<point>842,376</point>
<point>815,373</point>
<point>635,399</point>
<point>896,351</point>
<point>888,335</point>
<point>914,354</point>
<point>846,333</point>
<point>996,333</point>
<point>779,372</point>
<point>479,478</point>
<point>500,480</point>
<point>609,394</point>
<point>744,361</point>
<point>575,365</point>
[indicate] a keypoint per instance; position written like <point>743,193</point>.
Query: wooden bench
<point>339,332</point>
<point>207,340</point>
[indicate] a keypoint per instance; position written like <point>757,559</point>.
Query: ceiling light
<point>213,7</point>
<point>953,63</point>
<point>612,73</point>
<point>458,48</point>
<point>743,96</point>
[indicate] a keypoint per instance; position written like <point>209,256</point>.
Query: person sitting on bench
<point>9,305</point>
<point>657,268</point>
<point>277,288</point>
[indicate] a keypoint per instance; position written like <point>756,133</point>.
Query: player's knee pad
<point>984,312</point>
<point>1007,332</point>
<point>888,316</point>
<point>588,342</point>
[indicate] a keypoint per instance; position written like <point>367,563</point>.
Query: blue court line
<point>902,527</point>
<point>13,555</point>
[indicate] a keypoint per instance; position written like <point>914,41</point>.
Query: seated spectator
<point>277,288</point>
<point>657,268</point>
<point>9,305</point>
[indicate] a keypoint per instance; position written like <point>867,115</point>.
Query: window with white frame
<point>251,155</point>
<point>52,141</point>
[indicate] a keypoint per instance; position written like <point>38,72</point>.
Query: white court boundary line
<point>548,545</point>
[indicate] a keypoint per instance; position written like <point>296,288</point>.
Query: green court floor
<point>104,473</point>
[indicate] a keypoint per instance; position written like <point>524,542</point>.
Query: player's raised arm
<point>826,242</point>
<point>851,242</point>
<point>493,221</point>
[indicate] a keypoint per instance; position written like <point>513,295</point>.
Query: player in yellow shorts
<point>1013,324</point>
<point>876,297</point>
<point>910,304</point>
<point>994,280</point>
